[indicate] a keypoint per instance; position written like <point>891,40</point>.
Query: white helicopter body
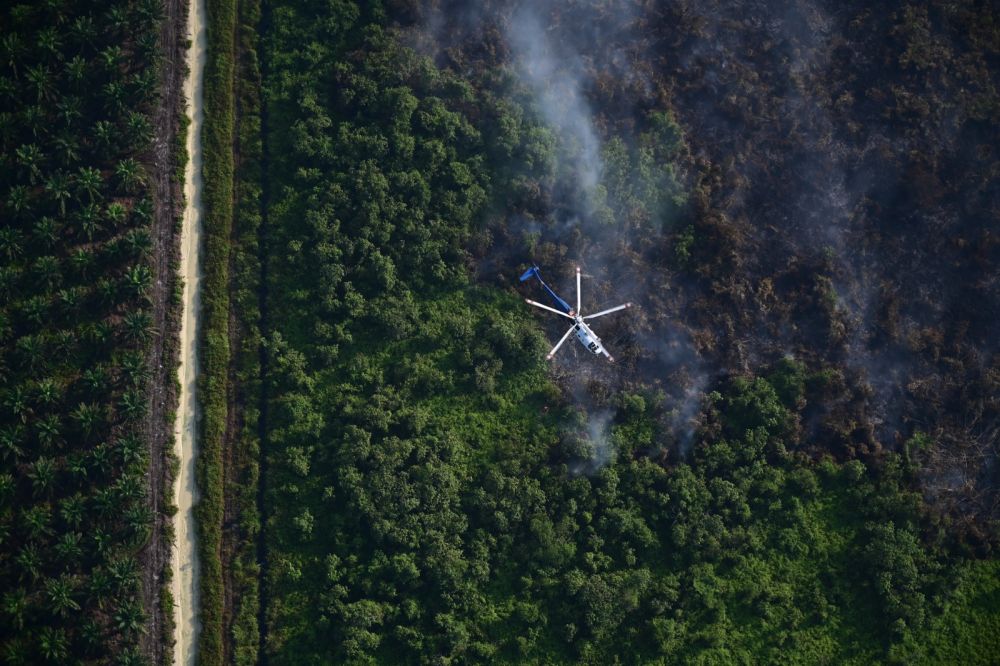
<point>580,328</point>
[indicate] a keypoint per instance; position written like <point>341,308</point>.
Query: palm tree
<point>15,651</point>
<point>30,157</point>
<point>129,174</point>
<point>42,474</point>
<point>88,417</point>
<point>47,391</point>
<point>47,270</point>
<point>67,147</point>
<point>73,508</point>
<point>48,429</point>
<point>139,242</point>
<point>148,46</point>
<point>102,541</point>
<point>100,459</point>
<point>150,11</point>
<point>53,644</point>
<point>31,349</point>
<point>138,521</point>
<point>7,487</point>
<point>58,186</point>
<point>19,200</point>
<point>83,31</point>
<point>92,635</point>
<point>11,438</point>
<point>10,243</point>
<point>49,42</point>
<point>36,119</point>
<point>9,127</point>
<point>138,279</point>
<point>116,96</point>
<point>118,18</point>
<point>124,572</point>
<point>138,127</point>
<point>110,57</point>
<point>132,656</point>
<point>89,219</point>
<point>107,291</point>
<point>37,521</point>
<point>89,180</point>
<point>96,379</point>
<point>143,210</point>
<point>77,466</point>
<point>116,214</point>
<point>82,260</point>
<point>76,70</point>
<point>46,231</point>
<point>9,92</point>
<point>69,300</point>
<point>104,134</point>
<point>68,547</point>
<point>15,603</point>
<point>40,79</point>
<point>10,276</point>
<point>100,586</point>
<point>131,448</point>
<point>133,405</point>
<point>35,310</point>
<point>29,562</point>
<point>59,595</point>
<point>129,618</point>
<point>17,403</point>
<point>12,50</point>
<point>134,367</point>
<point>69,109</point>
<point>63,342</point>
<point>138,326</point>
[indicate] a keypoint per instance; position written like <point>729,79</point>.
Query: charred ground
<point>842,180</point>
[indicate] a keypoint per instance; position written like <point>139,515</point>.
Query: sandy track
<point>185,559</point>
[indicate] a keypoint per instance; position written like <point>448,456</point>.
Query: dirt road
<point>185,561</point>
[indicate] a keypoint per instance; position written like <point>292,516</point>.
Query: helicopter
<point>583,332</point>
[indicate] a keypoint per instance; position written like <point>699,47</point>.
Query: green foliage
<point>426,497</point>
<point>218,172</point>
<point>75,328</point>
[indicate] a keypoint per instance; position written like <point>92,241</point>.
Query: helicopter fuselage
<point>587,337</point>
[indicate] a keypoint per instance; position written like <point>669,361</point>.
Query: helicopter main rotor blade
<point>545,307</point>
<point>560,343</point>
<point>608,311</point>
<point>577,290</point>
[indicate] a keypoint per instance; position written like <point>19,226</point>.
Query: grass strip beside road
<point>217,146</point>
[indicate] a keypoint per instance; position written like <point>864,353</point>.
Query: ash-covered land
<point>794,181</point>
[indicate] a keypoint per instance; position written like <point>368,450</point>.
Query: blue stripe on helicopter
<point>534,273</point>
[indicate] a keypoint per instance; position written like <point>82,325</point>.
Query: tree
<point>29,156</point>
<point>59,595</point>
<point>40,79</point>
<point>89,181</point>
<point>53,644</point>
<point>89,219</point>
<point>42,473</point>
<point>58,187</point>
<point>138,279</point>
<point>129,174</point>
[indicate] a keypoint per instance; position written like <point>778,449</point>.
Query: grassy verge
<point>243,443</point>
<point>217,145</point>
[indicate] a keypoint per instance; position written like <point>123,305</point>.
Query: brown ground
<point>168,202</point>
